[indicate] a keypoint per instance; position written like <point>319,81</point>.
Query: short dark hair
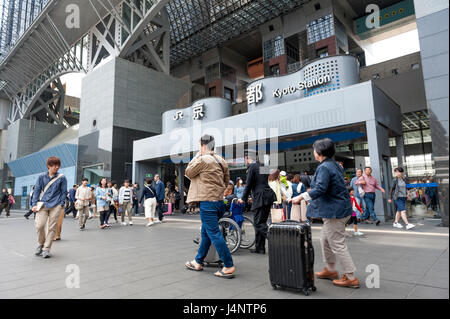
<point>289,177</point>
<point>148,181</point>
<point>127,181</point>
<point>209,141</point>
<point>399,169</point>
<point>368,167</point>
<point>325,147</point>
<point>53,161</point>
<point>85,179</point>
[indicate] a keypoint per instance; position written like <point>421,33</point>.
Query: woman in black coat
<point>330,200</point>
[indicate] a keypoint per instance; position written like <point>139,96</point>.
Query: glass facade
<point>274,48</point>
<point>320,29</point>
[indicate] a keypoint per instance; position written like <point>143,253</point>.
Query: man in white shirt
<point>126,202</point>
<point>83,196</point>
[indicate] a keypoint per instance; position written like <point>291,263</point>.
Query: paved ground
<point>141,262</point>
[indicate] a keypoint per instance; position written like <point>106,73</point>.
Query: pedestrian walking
<point>148,196</point>
<point>93,202</point>
<point>160,194</point>
<point>262,199</point>
<point>30,211</point>
<point>48,201</point>
<point>357,210</point>
<point>126,202</point>
<point>329,199</point>
<point>136,189</point>
<point>209,176</point>
<point>369,184</point>
<point>101,195</point>
<point>71,207</point>
<point>357,190</point>
<point>12,201</point>
<point>399,195</point>
<point>112,195</point>
<point>83,197</point>
<point>4,202</point>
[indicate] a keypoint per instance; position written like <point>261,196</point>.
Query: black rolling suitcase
<point>291,256</point>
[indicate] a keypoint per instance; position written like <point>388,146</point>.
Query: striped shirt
<point>127,195</point>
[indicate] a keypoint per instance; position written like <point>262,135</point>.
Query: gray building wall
<point>432,23</point>
<point>26,137</point>
<point>126,101</point>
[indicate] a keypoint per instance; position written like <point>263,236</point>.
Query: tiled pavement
<point>141,262</point>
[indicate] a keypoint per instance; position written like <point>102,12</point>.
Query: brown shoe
<point>326,274</point>
<point>345,282</point>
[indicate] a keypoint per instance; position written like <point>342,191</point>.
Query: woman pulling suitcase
<point>329,200</point>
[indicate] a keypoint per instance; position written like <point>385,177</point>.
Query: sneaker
<point>46,254</point>
<point>131,223</point>
<point>158,222</point>
<point>107,225</point>
<point>377,223</point>
<point>124,224</point>
<point>39,250</point>
<point>358,233</point>
<point>397,225</point>
<point>409,226</point>
<point>150,224</point>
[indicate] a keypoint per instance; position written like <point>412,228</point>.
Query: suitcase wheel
<point>275,287</point>
<point>305,292</point>
<point>313,288</point>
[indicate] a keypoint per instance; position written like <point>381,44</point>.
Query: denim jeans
<point>369,199</point>
<point>210,213</point>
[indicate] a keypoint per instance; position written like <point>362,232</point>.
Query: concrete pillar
<point>379,153</point>
<point>400,147</point>
<point>432,24</point>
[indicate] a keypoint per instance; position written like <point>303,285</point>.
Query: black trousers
<point>103,217</point>
<point>159,209</point>
<point>260,220</point>
<point>71,209</point>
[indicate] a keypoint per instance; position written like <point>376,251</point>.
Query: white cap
<point>283,173</point>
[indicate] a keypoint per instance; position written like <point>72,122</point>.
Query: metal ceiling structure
<point>156,33</point>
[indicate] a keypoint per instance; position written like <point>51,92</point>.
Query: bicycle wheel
<point>231,233</point>
<point>248,233</point>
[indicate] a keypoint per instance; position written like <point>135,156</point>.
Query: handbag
<point>79,205</point>
<point>298,212</point>
<point>361,191</point>
<point>40,204</point>
<point>277,214</point>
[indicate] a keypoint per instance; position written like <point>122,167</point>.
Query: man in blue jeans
<point>369,185</point>
<point>209,177</point>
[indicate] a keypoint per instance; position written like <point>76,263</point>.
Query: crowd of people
<point>326,196</point>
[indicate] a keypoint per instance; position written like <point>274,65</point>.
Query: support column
<point>181,169</point>
<point>379,153</point>
<point>400,146</point>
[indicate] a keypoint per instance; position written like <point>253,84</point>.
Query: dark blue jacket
<point>147,192</point>
<point>330,197</point>
<point>55,195</point>
<point>72,193</point>
<point>160,191</point>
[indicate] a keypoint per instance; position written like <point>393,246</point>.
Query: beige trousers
<point>150,208</point>
<point>127,206</point>
<point>83,215</point>
<point>49,217</point>
<point>334,247</point>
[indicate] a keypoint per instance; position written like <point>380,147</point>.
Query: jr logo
<point>73,280</point>
<point>73,17</point>
<point>373,280</point>
<point>373,19</point>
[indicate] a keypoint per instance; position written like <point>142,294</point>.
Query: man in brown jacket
<point>209,177</point>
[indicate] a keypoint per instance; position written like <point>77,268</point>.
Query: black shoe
<point>255,251</point>
<point>27,217</point>
<point>378,223</point>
